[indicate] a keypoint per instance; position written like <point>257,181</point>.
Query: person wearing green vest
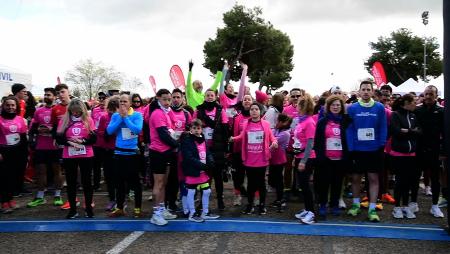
<point>194,90</point>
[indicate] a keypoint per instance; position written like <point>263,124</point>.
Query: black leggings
<point>217,174</point>
<point>328,176</point>
<point>430,160</point>
<point>407,176</point>
<point>256,181</point>
<point>276,179</point>
<point>126,176</point>
<point>71,168</point>
<point>108,174</point>
<point>238,174</point>
<point>11,172</point>
<point>172,185</point>
<point>99,159</point>
<point>303,180</point>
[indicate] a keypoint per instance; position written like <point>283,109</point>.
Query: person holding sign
<point>257,142</point>
<point>76,131</point>
<point>330,146</point>
<point>13,148</point>
<point>366,138</point>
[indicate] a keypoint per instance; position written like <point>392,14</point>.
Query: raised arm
<point>224,77</point>
<point>242,83</point>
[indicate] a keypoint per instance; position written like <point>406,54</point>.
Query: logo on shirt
<point>13,128</point>
<point>76,131</point>
<point>336,131</point>
<point>366,114</point>
<point>178,124</point>
<point>47,119</point>
<point>202,155</point>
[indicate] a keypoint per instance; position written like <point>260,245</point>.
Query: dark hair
<point>51,90</point>
<point>366,82</point>
<point>30,106</point>
<point>261,108</point>
<point>278,100</point>
<point>113,103</point>
<point>196,123</point>
<point>177,90</point>
<point>135,95</point>
<point>400,101</point>
<point>285,119</point>
<point>13,98</point>
<point>332,99</point>
<point>226,85</point>
<point>211,90</point>
<point>60,87</point>
<point>386,87</point>
<point>432,87</point>
<point>162,92</point>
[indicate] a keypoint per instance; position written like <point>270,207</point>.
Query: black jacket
<point>431,121</point>
<point>191,163</point>
<point>319,138</point>
<point>404,142</point>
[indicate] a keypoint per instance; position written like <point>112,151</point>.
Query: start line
<point>363,230</point>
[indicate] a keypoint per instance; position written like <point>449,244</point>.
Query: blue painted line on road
<point>363,230</point>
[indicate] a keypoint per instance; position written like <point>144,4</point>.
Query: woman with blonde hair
<point>76,131</point>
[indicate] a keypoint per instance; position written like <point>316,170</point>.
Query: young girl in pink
<point>257,142</point>
<point>76,131</point>
<point>197,161</point>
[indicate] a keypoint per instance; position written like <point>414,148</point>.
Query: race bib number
<point>127,134</point>
<point>255,137</point>
<point>75,151</point>
<point>231,112</point>
<point>366,134</point>
<point>208,133</point>
<point>334,144</point>
<point>12,139</point>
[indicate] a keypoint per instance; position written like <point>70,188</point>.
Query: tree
<point>89,78</point>
<point>402,56</point>
<point>248,38</point>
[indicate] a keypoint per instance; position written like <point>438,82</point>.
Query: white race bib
<point>255,137</point>
<point>334,144</point>
<point>12,139</point>
<point>74,151</point>
<point>127,134</point>
<point>231,112</point>
<point>366,134</point>
<point>208,133</point>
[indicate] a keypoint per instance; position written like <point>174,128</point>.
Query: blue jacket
<point>127,130</point>
<point>191,163</point>
<point>368,128</point>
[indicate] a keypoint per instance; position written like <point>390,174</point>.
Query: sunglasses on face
<point>101,98</point>
<point>136,101</point>
<point>295,96</point>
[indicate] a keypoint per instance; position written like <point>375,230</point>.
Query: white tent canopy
<point>9,76</point>
<point>411,85</point>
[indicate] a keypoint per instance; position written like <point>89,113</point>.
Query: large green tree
<point>401,54</point>
<point>249,38</point>
<point>89,77</point>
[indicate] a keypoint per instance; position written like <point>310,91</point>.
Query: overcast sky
<point>143,37</point>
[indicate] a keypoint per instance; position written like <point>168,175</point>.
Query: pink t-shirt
<point>255,146</point>
<point>10,130</point>
<point>203,177</point>
<point>207,131</point>
<point>239,124</point>
<point>304,131</point>
<point>159,118</point>
<point>96,113</point>
<point>103,124</point>
<point>398,154</point>
<point>333,142</point>
<point>179,121</point>
<point>227,104</point>
<point>292,112</point>
<point>43,117</point>
<point>78,130</point>
<point>388,146</point>
<point>279,155</point>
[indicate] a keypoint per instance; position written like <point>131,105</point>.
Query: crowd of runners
<point>186,144</point>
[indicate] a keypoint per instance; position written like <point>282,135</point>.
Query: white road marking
<point>127,241</point>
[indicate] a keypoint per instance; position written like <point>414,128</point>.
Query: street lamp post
<point>425,22</point>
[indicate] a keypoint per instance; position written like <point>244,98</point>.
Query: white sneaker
<point>237,200</point>
<point>196,219</point>
<point>397,213</point>
<point>301,214</point>
<point>167,215</point>
<point>158,220</point>
<point>436,211</point>
<point>342,204</point>
<point>414,207</point>
<point>408,213</point>
<point>428,191</point>
<point>308,218</point>
<point>209,216</point>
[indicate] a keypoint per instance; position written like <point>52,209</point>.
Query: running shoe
<point>158,220</point>
<point>66,205</point>
<point>6,209</point>
<point>209,216</point>
<point>13,204</point>
<point>373,216</point>
<point>248,209</point>
<point>167,215</point>
<point>237,201</point>
<point>220,204</point>
<point>379,206</point>
<point>110,206</point>
<point>428,191</point>
<point>364,204</point>
<point>408,213</point>
<point>72,215</point>
<point>137,212</point>
<point>88,213</point>
<point>436,211</point>
<point>414,207</point>
<point>262,209</point>
<point>354,210</point>
<point>442,202</point>
<point>397,213</point>
<point>309,218</point>
<point>387,198</point>
<point>116,213</point>
<point>323,211</point>
<point>301,214</point>
<point>342,204</point>
<point>57,201</point>
<point>195,218</point>
<point>36,202</point>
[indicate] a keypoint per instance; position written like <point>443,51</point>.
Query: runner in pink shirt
<point>96,113</point>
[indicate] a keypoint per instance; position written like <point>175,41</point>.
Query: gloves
<point>191,64</point>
